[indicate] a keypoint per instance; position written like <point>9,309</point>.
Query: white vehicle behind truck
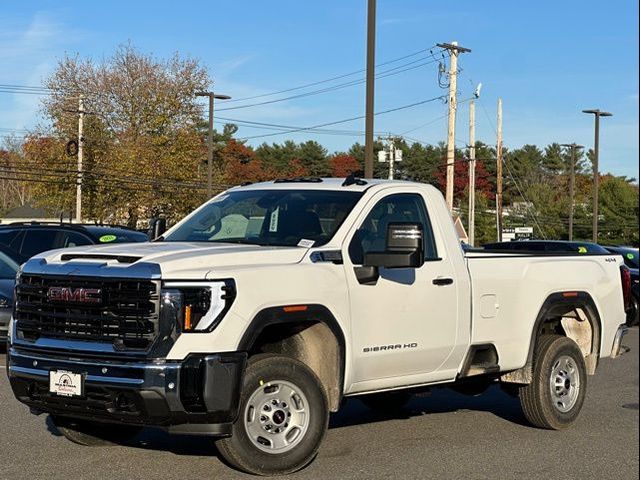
<point>258,314</point>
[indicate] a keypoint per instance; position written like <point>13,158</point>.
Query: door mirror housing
<point>157,226</point>
<point>404,247</point>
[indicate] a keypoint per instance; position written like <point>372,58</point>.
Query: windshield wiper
<point>239,241</point>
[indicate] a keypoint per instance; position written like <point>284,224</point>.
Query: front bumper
<point>617,348</point>
<point>198,395</point>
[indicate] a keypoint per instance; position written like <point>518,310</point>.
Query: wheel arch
<point>308,332</point>
<point>555,308</point>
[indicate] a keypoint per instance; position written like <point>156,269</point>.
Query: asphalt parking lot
<point>443,436</point>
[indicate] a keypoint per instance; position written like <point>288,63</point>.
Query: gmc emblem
<point>75,295</point>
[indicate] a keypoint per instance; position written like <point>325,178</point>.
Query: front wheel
<point>557,391</point>
<point>282,419</point>
<point>94,434</point>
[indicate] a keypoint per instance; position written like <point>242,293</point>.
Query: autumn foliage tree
<point>143,152</point>
<point>342,165</point>
<point>461,179</point>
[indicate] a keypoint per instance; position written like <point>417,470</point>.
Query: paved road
<point>445,436</point>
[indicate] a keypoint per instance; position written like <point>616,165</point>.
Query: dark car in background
<point>555,246</point>
<point>29,239</point>
<point>630,256</point>
<point>8,270</point>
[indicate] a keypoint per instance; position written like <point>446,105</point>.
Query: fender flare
<point>299,314</point>
<point>562,302</point>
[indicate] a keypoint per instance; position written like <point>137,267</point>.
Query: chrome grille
<point>126,315</point>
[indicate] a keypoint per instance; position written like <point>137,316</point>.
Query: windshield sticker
<point>306,243</point>
<point>630,256</point>
<point>582,249</point>
<point>107,238</point>
<point>273,222</point>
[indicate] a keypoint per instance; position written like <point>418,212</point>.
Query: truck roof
<point>316,183</point>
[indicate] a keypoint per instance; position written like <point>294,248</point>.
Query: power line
<point>351,119</point>
<point>533,215</point>
<point>286,128</point>
<point>387,73</point>
<point>40,90</point>
<point>328,80</point>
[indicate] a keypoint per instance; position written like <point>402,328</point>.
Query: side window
<point>72,239</point>
<point>402,207</point>
<point>37,241</point>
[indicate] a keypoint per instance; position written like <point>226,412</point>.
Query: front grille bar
<point>127,315</point>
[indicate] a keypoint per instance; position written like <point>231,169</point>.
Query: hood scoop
<point>93,256</point>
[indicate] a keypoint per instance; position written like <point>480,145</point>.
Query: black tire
<point>263,373</point>
<point>542,408</point>
<point>634,313</point>
<point>387,402</point>
<point>94,434</point>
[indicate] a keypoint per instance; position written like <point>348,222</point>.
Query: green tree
<point>143,149</point>
<point>314,157</point>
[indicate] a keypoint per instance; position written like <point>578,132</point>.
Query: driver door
<point>403,327</point>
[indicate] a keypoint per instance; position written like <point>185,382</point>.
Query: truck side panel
<point>509,291</point>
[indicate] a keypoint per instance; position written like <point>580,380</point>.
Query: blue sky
<point>548,60</point>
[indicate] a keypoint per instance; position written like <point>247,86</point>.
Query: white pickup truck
<point>259,313</point>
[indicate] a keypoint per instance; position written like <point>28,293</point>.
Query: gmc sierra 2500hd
<point>255,316</point>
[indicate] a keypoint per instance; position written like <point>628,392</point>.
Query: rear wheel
<point>283,418</point>
<point>555,396</point>
<point>634,313</point>
<point>94,434</point>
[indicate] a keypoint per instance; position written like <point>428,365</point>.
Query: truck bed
<point>509,289</point>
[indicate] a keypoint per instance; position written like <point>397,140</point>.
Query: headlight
<point>197,306</point>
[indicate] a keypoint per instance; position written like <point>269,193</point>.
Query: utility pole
<point>499,173</point>
<point>472,172</point>
<point>80,158</point>
<point>454,50</point>
<point>370,79</point>
<point>211,96</point>
<point>596,172</point>
<point>572,182</point>
<point>390,154</point>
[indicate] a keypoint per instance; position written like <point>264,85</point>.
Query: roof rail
<point>298,180</point>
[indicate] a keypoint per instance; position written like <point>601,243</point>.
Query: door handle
<point>442,281</point>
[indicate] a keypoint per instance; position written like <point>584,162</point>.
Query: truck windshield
<point>268,217</point>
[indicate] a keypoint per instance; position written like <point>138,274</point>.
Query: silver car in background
<point>8,270</point>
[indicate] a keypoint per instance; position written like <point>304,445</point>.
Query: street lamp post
<point>596,173</point>
<point>211,96</point>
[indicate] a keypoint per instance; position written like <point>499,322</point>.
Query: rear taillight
<point>625,275</point>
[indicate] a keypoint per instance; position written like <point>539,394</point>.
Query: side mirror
<point>157,226</point>
<point>403,249</point>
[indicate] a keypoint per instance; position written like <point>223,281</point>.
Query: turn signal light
<point>295,308</point>
<point>187,318</point>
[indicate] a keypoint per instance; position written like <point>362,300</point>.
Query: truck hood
<point>177,260</point>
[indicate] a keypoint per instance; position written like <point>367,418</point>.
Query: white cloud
<point>29,49</point>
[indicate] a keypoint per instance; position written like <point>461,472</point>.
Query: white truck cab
<point>259,313</point>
